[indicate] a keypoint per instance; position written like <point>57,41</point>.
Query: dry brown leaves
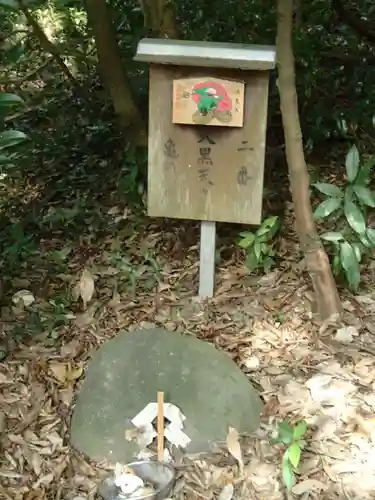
<point>302,369</point>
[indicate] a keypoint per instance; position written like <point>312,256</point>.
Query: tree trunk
<point>45,42</point>
<point>112,73</point>
<point>159,18</point>
<point>327,298</point>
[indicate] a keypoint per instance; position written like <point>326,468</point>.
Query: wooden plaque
<point>208,101</point>
<point>206,172</point>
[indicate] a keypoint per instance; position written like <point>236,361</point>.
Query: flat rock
<point>125,374</point>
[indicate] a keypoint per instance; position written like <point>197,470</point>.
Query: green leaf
<point>349,193</point>
<point>247,241</point>
<point>11,138</point>
<point>284,426</point>
<point>355,217</point>
<point>352,163</point>
<point>329,189</point>
<point>257,249</point>
<point>350,265</point>
<point>327,207</point>
<point>251,262</point>
<point>285,432</point>
<point>332,236</point>
<point>357,251</point>
<point>299,430</point>
<point>364,240</point>
<point>267,264</point>
<point>370,233</point>
<point>13,54</point>
<point>262,231</point>
<point>4,160</point>
<point>269,222</point>
<point>336,265</point>
<point>294,454</point>
<point>269,227</point>
<point>365,195</point>
<point>364,175</point>
<point>287,472</point>
<point>9,99</point>
<point>264,248</point>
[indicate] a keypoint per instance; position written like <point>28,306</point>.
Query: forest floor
<point>322,373</point>
<point>66,212</point>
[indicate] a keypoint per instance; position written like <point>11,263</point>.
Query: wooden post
<point>160,426</point>
<point>207,259</point>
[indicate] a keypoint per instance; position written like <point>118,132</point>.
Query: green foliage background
<point>76,166</point>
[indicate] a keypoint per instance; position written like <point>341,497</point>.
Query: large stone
<point>125,374</point>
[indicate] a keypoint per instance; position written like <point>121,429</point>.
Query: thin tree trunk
<point>45,42</point>
<point>159,18</point>
<point>327,298</point>
<point>112,73</point>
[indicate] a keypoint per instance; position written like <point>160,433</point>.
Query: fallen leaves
<point>227,492</point>
<point>2,423</point>
<point>234,447</point>
<point>346,334</point>
<point>23,298</point>
<point>65,373</point>
<point>86,287</point>
<point>365,426</point>
<point>36,462</point>
<point>309,486</point>
<point>297,374</point>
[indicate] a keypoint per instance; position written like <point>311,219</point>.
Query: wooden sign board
<point>206,173</point>
<point>208,101</point>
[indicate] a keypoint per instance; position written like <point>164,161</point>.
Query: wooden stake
<point>207,259</point>
<point>160,426</point>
